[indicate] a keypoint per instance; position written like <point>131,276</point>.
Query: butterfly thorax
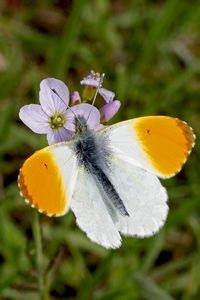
<point>90,149</point>
<point>80,125</point>
<point>93,153</point>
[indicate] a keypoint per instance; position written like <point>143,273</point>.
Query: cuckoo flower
<point>53,116</point>
<point>93,82</point>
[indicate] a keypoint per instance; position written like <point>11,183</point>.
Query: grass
<point>149,51</point>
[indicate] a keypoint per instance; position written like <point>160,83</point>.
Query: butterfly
<point>109,178</point>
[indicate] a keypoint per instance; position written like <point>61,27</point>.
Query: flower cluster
<point>55,118</point>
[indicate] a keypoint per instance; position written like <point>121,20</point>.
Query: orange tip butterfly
<point>109,178</point>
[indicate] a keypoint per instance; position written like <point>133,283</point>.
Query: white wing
<point>143,196</point>
<point>92,214</point>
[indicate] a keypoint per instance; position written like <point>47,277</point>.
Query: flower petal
<point>109,110</point>
<point>70,120</point>
<point>107,95</point>
<point>54,96</point>
<point>93,79</point>
<point>89,112</point>
<point>34,117</point>
<point>59,135</point>
<point>90,82</point>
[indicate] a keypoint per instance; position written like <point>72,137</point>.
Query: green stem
<point>39,257</point>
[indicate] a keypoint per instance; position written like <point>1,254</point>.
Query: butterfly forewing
<point>47,179</point>
<point>159,144</point>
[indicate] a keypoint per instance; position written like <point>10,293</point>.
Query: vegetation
<point>150,53</point>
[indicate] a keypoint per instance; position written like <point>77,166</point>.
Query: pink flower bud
<point>109,110</point>
<point>75,98</point>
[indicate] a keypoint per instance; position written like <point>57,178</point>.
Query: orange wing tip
<point>23,194</point>
<point>40,210</point>
<point>28,199</point>
<point>190,137</point>
<point>166,143</point>
<point>189,133</point>
<point>187,153</point>
<point>43,185</point>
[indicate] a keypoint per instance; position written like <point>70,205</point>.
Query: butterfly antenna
<point>67,106</point>
<point>97,90</point>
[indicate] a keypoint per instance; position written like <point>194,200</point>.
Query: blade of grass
<point>149,289</point>
<point>65,47</point>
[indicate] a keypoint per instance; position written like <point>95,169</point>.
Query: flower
<point>53,116</point>
<point>56,119</point>
<point>93,83</point>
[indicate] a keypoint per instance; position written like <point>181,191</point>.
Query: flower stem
<point>39,257</point>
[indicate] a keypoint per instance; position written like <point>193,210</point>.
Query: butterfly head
<point>81,126</point>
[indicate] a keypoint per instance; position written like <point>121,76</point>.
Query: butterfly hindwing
<point>141,192</point>
<point>143,196</point>
<point>92,214</point>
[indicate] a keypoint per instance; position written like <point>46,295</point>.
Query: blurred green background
<point>150,53</point>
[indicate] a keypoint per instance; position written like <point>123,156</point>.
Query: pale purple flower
<point>109,110</point>
<point>53,116</point>
<point>95,80</point>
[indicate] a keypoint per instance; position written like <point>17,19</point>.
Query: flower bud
<point>109,110</point>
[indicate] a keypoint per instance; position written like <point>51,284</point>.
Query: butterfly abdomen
<point>94,155</point>
<point>109,189</point>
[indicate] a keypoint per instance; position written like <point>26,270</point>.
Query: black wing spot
<point>45,165</point>
<point>148,131</point>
